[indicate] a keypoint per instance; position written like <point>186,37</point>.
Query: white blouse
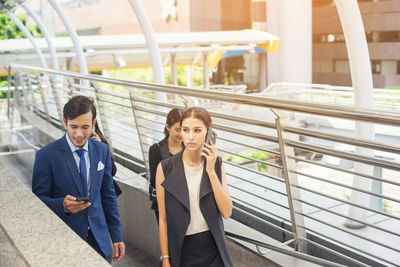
<point>193,178</point>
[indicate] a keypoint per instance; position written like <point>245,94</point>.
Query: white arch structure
<point>29,36</point>
<point>148,32</point>
<point>73,35</point>
<point>46,35</point>
<point>361,77</point>
<point>293,64</point>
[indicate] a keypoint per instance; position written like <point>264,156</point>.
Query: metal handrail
<point>383,98</point>
<point>346,171</point>
<point>285,251</point>
<point>343,139</point>
<point>345,155</point>
<point>348,202</point>
<point>375,116</point>
<point>142,105</point>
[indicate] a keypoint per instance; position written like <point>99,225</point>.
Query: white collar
<point>74,148</point>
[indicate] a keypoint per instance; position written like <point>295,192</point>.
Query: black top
<point>157,152</point>
<point>155,158</point>
<point>117,189</point>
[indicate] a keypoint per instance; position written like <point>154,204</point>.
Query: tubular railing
<point>287,179</point>
<point>388,99</point>
<point>295,254</point>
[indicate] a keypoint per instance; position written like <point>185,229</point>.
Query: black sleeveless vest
<point>177,208</point>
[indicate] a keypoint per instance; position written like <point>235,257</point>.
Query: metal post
<point>70,81</point>
<point>32,93</point>
<point>262,80</point>
<point>133,105</point>
<point>22,82</point>
<point>9,91</point>
<point>206,81</point>
<point>174,71</point>
<point>361,76</point>
<point>56,91</point>
<point>17,96</point>
<point>291,180</point>
<point>43,96</point>
<point>103,116</point>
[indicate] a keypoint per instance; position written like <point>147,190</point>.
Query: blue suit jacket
<point>55,175</point>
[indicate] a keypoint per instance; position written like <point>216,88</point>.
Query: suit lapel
<point>93,166</point>
<point>175,182</point>
<point>71,163</point>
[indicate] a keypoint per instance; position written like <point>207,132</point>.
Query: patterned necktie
<point>82,168</point>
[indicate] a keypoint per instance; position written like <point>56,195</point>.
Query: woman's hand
<point>166,263</point>
<point>209,152</point>
<point>95,136</point>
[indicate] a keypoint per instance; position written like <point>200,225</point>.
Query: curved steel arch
<point>361,76</point>
<point>148,32</point>
<point>29,36</point>
<point>74,36</point>
<point>46,35</point>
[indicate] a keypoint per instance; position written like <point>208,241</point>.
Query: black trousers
<point>200,250</point>
<point>93,243</point>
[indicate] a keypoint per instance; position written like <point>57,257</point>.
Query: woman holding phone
<point>98,135</point>
<point>169,146</point>
<point>193,197</point>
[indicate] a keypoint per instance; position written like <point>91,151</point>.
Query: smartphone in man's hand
<point>84,199</point>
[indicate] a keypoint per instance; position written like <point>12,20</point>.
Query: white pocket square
<point>100,166</point>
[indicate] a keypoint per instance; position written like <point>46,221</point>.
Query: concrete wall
<point>32,235</point>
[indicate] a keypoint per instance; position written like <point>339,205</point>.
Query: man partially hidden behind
<point>78,166</point>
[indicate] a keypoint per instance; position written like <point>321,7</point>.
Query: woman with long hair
<point>193,197</point>
<point>98,135</point>
<point>169,146</point>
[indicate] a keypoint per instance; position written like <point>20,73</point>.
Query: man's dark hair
<point>78,105</point>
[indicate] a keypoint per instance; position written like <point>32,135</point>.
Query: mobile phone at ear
<point>84,199</point>
<point>211,136</point>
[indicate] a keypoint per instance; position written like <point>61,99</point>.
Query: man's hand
<point>70,204</point>
<point>119,250</point>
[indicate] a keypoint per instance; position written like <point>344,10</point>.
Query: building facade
<point>382,25</point>
<point>330,63</point>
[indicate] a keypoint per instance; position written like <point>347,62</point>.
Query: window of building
<point>328,38</point>
<point>342,66</point>
<point>376,66</point>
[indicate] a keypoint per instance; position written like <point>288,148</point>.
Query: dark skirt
<point>200,250</point>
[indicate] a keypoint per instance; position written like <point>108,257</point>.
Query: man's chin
<point>80,143</point>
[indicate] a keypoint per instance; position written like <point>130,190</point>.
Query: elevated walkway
<point>140,229</point>
<point>293,192</point>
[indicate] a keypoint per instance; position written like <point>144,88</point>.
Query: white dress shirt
<point>85,147</point>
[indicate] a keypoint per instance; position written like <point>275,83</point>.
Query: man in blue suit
<point>78,166</point>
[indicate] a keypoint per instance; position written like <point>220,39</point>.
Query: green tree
<point>8,29</point>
